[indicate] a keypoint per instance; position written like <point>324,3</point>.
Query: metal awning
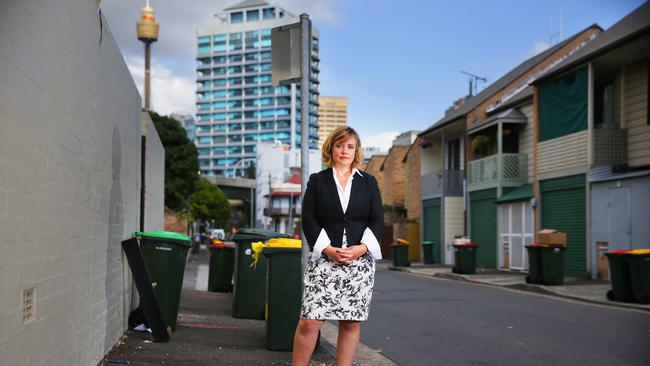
<point>521,193</point>
<point>512,115</point>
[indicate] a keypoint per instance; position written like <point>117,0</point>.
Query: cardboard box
<point>551,237</point>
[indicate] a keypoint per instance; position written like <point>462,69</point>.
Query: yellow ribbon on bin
<point>258,246</point>
<point>640,251</point>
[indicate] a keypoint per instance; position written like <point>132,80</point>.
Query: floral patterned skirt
<point>336,291</point>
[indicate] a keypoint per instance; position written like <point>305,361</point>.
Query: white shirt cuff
<point>372,243</point>
<point>321,243</point>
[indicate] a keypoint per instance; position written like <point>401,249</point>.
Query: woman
<point>342,218</point>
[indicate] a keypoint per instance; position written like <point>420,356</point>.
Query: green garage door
<point>431,229</point>
<point>483,226</point>
<point>564,209</point>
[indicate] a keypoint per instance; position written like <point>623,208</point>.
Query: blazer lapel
<point>329,177</point>
<point>356,195</point>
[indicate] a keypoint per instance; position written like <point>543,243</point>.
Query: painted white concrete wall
<point>69,182</point>
<point>154,217</point>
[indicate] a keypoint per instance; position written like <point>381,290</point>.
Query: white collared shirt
<point>368,237</point>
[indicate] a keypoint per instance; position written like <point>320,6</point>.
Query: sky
<point>398,62</point>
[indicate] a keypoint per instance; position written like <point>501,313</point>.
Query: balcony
<point>450,182</point>
<point>610,147</point>
<point>282,211</point>
<point>506,170</point>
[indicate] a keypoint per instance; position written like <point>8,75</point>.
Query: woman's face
<point>344,151</point>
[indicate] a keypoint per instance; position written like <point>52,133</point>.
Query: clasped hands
<point>345,255</point>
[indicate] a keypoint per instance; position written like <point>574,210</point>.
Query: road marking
<point>202,274</point>
<point>366,355</point>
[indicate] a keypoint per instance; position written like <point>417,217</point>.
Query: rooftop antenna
<point>473,82</point>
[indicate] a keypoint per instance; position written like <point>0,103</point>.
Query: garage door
<point>431,229</point>
<point>564,209</point>
<point>483,226</point>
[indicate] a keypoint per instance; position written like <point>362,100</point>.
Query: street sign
<point>285,54</point>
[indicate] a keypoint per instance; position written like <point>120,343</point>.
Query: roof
<point>634,24</point>
<point>248,4</point>
<point>501,83</point>
<point>515,100</point>
<point>393,150</point>
<point>521,193</point>
<point>512,115</point>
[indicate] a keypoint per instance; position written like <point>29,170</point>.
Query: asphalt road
<point>418,320</point>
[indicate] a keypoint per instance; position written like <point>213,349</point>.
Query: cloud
<point>539,47</point>
<point>382,140</point>
<point>174,54</point>
<point>169,91</point>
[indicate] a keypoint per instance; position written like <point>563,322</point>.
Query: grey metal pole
<point>305,66</point>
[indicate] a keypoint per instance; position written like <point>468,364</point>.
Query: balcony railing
<point>484,173</point>
<point>451,182</point>
<point>610,147</point>
<point>282,211</point>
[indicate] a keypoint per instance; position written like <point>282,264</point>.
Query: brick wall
<point>393,170</point>
<point>69,182</point>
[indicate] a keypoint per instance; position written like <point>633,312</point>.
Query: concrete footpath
<point>593,291</point>
<point>206,333</point>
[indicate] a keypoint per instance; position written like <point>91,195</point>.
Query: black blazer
<point>321,209</point>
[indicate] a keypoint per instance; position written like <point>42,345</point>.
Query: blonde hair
<point>341,133</point>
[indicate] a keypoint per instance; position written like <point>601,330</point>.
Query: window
<point>268,13</point>
<point>266,90</point>
<point>234,81</point>
<point>252,56</point>
<point>265,66</point>
<point>266,38</point>
<point>219,59</point>
<point>252,40</point>
<point>266,55</point>
<point>252,15</point>
<point>250,126</point>
<point>234,58</point>
<point>453,154</point>
<point>234,70</point>
<point>254,68</point>
<point>219,70</point>
<point>220,82</point>
<point>218,150</point>
<point>237,17</point>
<point>235,41</point>
<point>605,105</point>
<point>251,91</point>
<point>266,125</point>
<point>220,43</point>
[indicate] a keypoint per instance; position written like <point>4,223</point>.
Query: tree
<point>208,202</point>
<point>181,161</point>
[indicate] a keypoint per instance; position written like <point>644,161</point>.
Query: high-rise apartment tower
<point>332,113</point>
<point>237,106</point>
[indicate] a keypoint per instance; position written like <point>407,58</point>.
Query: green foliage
<point>209,202</point>
<point>181,161</point>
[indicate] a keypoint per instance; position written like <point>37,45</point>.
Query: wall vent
<point>29,305</point>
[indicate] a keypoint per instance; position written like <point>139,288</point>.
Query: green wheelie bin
<point>619,275</point>
<point>428,250</point>
<point>639,261</point>
<point>283,296</point>
<point>401,253</point>
<point>222,264</point>
<point>464,258</point>
<point>552,260</point>
<point>534,263</point>
<point>164,255</point>
<point>249,289</point>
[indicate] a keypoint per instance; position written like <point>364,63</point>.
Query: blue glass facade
<point>236,105</point>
